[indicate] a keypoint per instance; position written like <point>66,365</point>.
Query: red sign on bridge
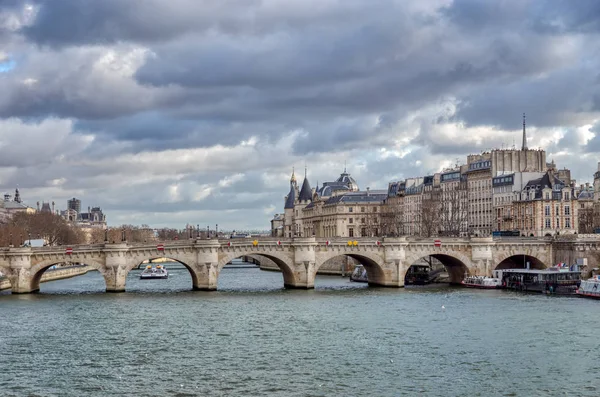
<point>69,251</point>
<point>160,247</point>
<point>437,243</point>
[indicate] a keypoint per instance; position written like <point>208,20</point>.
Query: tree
<point>429,222</point>
<point>453,216</point>
<point>40,225</point>
<point>391,217</point>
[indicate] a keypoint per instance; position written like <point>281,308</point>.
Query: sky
<point>195,111</point>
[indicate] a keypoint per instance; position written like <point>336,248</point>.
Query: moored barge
<point>555,281</point>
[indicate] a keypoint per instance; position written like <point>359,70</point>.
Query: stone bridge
<point>386,260</point>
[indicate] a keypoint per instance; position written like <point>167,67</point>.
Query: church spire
<point>524,135</point>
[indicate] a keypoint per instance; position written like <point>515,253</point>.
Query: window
<point>350,209</point>
<point>568,223</point>
<point>374,209</point>
<point>547,210</point>
<point>557,223</point>
<point>350,220</point>
<point>351,232</point>
<point>362,220</point>
<point>362,209</point>
<point>567,210</point>
<point>557,210</point>
<point>547,223</point>
<point>547,196</point>
<point>567,196</point>
<point>363,232</point>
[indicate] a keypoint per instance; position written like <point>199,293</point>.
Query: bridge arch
<point>456,264</point>
<point>372,261</point>
<point>519,261</point>
<point>37,270</point>
<point>136,260</point>
<point>282,259</point>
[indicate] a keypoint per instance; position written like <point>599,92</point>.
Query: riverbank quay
<point>58,273</point>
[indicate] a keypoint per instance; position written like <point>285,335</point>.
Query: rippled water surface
<point>253,338</point>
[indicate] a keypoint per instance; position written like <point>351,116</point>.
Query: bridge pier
<point>205,279</point>
<point>117,270</point>
<point>301,277</point>
<point>21,281</point>
<point>390,275</point>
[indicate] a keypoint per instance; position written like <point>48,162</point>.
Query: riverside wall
<point>55,274</point>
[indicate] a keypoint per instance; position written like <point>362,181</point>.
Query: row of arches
<point>453,266</point>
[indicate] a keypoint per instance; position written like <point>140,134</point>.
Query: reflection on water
<point>254,338</point>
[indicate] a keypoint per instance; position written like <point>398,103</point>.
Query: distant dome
<point>346,179</point>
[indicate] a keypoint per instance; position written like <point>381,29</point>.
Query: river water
<point>253,338</point>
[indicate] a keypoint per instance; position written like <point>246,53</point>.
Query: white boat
<point>151,273</point>
<point>359,274</point>
<point>590,288</point>
<point>482,282</point>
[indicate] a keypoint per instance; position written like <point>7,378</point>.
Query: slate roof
<point>305,191</point>
<point>289,202</point>
<point>586,195</point>
<point>346,179</point>
<point>329,188</point>
<point>547,181</point>
<point>373,196</point>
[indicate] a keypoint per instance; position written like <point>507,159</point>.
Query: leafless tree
<point>391,217</point>
<point>431,204</point>
<point>40,225</point>
<point>453,216</point>
<point>586,220</point>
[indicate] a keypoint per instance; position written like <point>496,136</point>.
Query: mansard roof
<point>372,196</point>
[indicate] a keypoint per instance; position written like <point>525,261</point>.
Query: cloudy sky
<point>168,112</point>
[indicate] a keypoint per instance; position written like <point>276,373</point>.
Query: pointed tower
<point>288,208</point>
<point>524,147</point>
<point>305,195</point>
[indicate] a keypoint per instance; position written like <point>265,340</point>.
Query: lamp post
<point>106,236</point>
<point>29,234</point>
<point>197,231</point>
<point>208,232</point>
<point>217,230</point>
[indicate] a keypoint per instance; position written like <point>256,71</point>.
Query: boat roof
<point>539,271</point>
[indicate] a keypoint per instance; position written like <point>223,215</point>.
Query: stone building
<point>454,205</point>
<point>546,207</point>
<point>11,206</point>
<point>505,189</point>
<point>588,209</point>
<point>336,209</point>
<point>277,227</point>
<point>491,190</point>
<point>479,194</point>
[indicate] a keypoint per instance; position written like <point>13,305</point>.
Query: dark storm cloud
<point>193,104</point>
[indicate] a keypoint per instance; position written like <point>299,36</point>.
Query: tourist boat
<point>481,282</point>
<point>559,280</point>
<point>590,288</point>
<point>359,274</point>
<point>151,273</point>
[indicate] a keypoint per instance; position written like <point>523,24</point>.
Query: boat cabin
<point>551,281</point>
